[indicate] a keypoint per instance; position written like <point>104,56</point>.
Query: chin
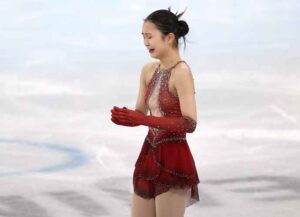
<point>155,56</point>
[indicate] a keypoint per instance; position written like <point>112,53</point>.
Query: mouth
<point>151,50</point>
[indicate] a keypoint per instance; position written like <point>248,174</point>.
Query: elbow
<point>191,124</point>
<point>192,129</point>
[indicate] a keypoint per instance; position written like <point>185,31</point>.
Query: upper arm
<point>140,103</point>
<point>184,84</point>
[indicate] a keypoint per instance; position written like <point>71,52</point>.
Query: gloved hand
<point>116,119</point>
<point>173,124</point>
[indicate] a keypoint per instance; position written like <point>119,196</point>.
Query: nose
<point>146,43</point>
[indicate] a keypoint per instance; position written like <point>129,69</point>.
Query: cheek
<point>152,41</point>
<point>157,42</point>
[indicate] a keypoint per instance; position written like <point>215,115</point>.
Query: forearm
<point>130,117</point>
<point>173,124</point>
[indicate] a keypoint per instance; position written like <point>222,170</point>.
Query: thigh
<point>171,203</point>
<point>142,207</point>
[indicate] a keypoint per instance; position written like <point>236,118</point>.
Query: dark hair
<point>167,22</point>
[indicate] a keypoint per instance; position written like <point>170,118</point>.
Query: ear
<point>170,38</point>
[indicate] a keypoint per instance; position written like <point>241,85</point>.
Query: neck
<point>169,60</point>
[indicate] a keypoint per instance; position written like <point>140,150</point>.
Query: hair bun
<point>183,28</point>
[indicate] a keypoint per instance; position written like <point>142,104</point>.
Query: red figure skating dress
<point>165,160</point>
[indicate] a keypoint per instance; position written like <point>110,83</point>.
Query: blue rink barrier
<point>75,157</point>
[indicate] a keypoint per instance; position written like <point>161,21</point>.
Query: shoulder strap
<point>172,67</point>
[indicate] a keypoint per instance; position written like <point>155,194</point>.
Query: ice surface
<point>60,156</point>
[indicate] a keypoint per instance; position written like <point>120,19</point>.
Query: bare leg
<point>141,207</point>
<point>171,203</point>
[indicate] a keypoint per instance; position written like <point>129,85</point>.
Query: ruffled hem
<point>149,189</point>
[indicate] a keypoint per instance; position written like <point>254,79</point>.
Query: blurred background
<point>65,64</point>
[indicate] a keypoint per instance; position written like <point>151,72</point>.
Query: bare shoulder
<point>148,70</point>
<point>149,66</point>
<point>182,71</point>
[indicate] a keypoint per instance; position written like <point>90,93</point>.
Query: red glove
<point>115,118</point>
<point>173,124</point>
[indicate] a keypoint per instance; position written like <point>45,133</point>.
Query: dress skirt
<point>163,163</point>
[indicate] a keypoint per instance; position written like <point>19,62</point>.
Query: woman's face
<point>153,40</point>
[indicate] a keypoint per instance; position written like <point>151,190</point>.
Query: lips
<point>151,50</point>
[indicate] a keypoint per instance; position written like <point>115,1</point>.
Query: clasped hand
<point>126,117</point>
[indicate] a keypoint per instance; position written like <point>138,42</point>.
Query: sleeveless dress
<point>165,160</point>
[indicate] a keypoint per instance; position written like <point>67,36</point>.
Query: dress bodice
<point>161,102</point>
<point>159,99</point>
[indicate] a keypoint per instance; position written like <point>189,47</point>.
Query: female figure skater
<point>165,178</point>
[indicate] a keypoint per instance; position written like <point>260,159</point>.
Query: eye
<point>148,37</point>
